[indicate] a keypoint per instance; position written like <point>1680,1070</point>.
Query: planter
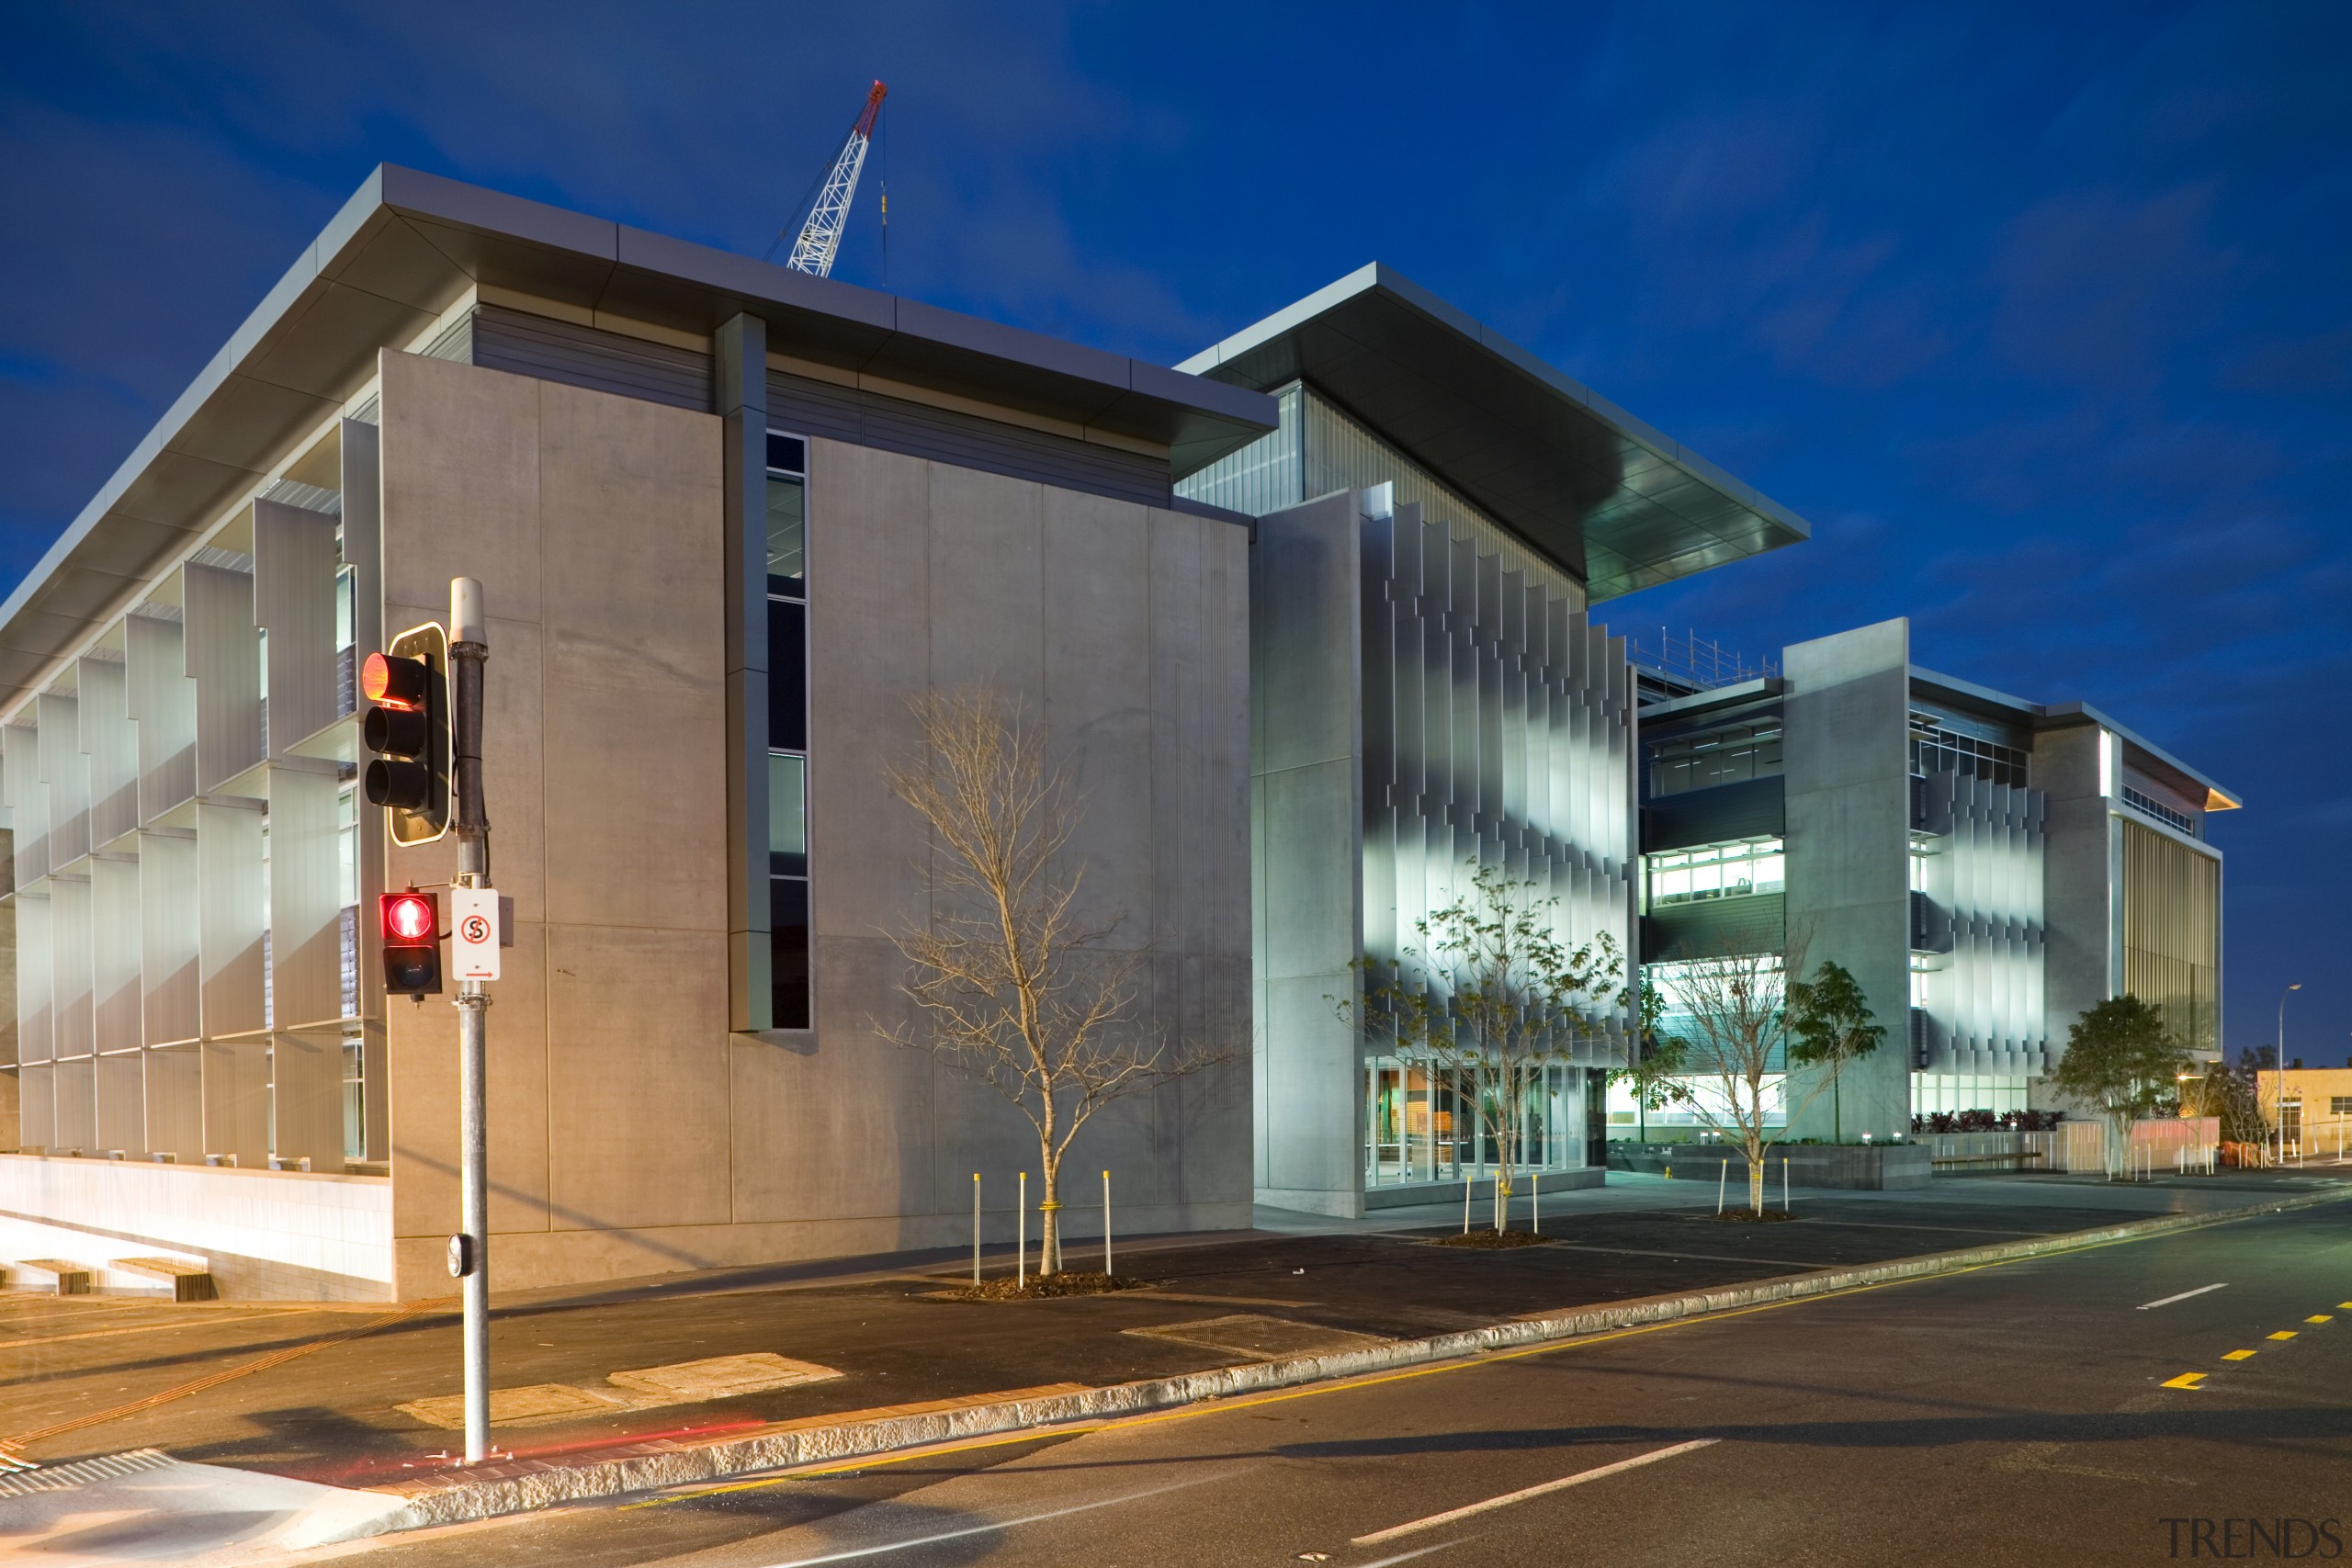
<point>1853,1167</point>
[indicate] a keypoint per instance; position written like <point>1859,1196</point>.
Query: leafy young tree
<point>1830,1025</point>
<point>1010,983</point>
<point>2122,1061</point>
<point>1492,990</point>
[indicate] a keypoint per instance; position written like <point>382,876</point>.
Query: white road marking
<point>2146,1306</point>
<point>989,1529</point>
<point>1408,1556</point>
<point>1522,1496</point>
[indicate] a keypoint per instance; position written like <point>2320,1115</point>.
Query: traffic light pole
<point>469,647</point>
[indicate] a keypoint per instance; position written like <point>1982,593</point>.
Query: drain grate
<point>81,1473</point>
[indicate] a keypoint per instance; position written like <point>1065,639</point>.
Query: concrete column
<point>740,397</point>
<point>1848,802</point>
<point>1306,828</point>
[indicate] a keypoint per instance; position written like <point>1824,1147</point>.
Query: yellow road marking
<point>2235,1355</point>
<point>143,1329</point>
<point>2284,1334</point>
<point>2344,1306</point>
<point>2186,1380</point>
<point>2322,1317</point>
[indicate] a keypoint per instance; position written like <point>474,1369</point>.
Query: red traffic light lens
<point>408,918</point>
<point>394,680</point>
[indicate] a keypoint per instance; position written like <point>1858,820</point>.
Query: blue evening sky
<point>2040,312</point>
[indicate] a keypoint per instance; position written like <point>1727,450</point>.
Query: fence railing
<point>2159,1145</point>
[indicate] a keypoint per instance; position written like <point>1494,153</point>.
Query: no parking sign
<point>473,933</point>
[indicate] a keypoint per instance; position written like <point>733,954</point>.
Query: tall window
<point>788,728</point>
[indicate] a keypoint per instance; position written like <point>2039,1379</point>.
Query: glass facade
<point>787,643</point>
<point>1731,753</point>
<point>1430,1121</point>
<point>1937,747</point>
<point>1733,870</point>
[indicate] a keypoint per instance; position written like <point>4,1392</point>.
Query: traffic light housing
<point>409,925</point>
<point>408,727</point>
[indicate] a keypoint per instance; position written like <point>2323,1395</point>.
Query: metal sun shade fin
<point>294,596</point>
<point>229,948</point>
<point>306,965</point>
<point>224,654</point>
<point>161,701</point>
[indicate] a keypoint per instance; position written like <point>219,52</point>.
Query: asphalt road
<point>2014,1415</point>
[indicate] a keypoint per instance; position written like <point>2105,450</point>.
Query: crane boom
<point>821,237</point>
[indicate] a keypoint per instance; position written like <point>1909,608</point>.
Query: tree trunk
<point>1756,1183</point>
<point>1049,1237</point>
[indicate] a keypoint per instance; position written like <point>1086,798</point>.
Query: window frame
<point>770,596</point>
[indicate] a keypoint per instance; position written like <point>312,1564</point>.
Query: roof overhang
<point>2146,753</point>
<point>408,245</point>
<point>1595,489</point>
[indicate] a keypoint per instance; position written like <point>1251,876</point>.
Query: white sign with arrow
<point>473,933</point>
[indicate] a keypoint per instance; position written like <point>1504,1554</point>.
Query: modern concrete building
<point>1439,512</point>
<point>1312,613</point>
<point>1988,868</point>
<point>729,519</point>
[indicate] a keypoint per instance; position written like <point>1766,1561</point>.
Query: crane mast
<point>821,237</point>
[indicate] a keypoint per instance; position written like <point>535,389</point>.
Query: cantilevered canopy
<point>1578,477</point>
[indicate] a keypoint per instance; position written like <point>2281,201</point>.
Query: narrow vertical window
<point>787,647</point>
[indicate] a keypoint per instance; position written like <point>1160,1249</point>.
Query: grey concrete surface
<point>2010,1416</point>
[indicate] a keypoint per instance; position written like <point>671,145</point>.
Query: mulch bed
<point>1750,1217</point>
<point>1041,1287</point>
<point>1490,1239</point>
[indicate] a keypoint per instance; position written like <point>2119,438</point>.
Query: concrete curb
<point>495,1489</point>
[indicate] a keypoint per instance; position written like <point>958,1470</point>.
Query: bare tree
<point>1011,985</point>
<point>1492,991</point>
<point>1741,1017</point>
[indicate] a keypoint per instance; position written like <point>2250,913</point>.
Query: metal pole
<point>1785,1184</point>
<point>2280,1103</point>
<point>1106,1224</point>
<point>469,647</point>
<point>1723,1176</point>
<point>976,1230</point>
<point>1535,1198</point>
<point>1020,1240</point>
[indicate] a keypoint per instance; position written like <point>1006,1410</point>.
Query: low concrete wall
<point>265,1234</point>
<point>1851,1166</point>
<point>1412,1194</point>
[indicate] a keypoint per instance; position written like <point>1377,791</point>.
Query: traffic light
<point>408,728</point>
<point>410,924</point>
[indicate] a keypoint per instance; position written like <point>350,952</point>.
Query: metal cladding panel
<point>112,743</point>
<point>69,968</point>
<point>66,771</point>
<point>27,800</point>
<point>172,1083</point>
<point>224,651</point>
<point>294,599</point>
<point>169,918</point>
<point>1985,877</point>
<point>119,1091</point>
<point>36,1026</point>
<point>1497,731</point>
<point>305,899</point>
<point>162,702</point>
<point>114,952</point>
<point>230,918</point>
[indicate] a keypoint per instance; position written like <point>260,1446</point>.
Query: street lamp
<point>2282,1072</point>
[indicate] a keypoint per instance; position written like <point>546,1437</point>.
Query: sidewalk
<point>686,1360</point>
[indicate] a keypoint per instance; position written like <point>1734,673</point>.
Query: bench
<point>1942,1160</point>
<point>73,1279</point>
<point>190,1282</point>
